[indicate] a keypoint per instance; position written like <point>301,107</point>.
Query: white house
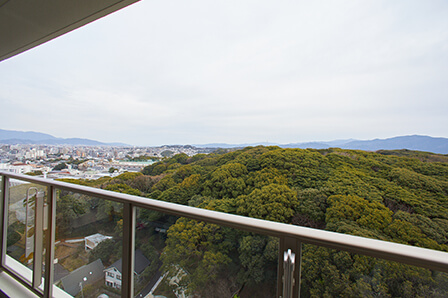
<point>93,240</point>
<point>112,277</point>
<point>114,271</point>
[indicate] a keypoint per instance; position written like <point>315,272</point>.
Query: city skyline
<point>227,72</point>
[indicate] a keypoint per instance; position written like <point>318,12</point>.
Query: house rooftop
<point>92,272</point>
<point>140,262</point>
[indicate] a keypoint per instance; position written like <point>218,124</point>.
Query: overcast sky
<point>195,72</point>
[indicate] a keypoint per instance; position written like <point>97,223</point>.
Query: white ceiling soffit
<point>25,24</point>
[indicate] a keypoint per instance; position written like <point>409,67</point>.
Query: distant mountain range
<point>414,142</point>
<point>31,137</point>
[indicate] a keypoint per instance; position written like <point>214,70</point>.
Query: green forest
<point>399,196</point>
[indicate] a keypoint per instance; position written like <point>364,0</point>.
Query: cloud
<point>232,71</point>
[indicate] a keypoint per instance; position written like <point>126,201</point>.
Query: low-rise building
<point>93,240</point>
<point>114,272</point>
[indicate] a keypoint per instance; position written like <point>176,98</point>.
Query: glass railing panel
<point>336,273</point>
<point>189,258</point>
<point>21,230</point>
<point>88,245</point>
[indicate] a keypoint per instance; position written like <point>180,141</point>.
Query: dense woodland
<point>399,196</point>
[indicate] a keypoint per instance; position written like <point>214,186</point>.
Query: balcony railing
<point>290,238</point>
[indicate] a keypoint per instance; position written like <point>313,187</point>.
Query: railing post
<point>4,219</point>
<point>38,239</point>
<point>49,242</point>
<point>289,268</point>
<point>127,277</point>
<point>289,259</point>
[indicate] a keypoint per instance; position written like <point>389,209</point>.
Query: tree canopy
<point>399,196</point>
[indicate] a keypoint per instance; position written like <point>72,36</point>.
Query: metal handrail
<point>421,257</point>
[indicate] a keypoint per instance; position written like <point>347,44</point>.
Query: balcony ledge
<point>11,287</point>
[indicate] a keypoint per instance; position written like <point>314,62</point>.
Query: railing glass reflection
<point>25,208</point>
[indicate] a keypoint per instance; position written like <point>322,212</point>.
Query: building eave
<point>26,24</point>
